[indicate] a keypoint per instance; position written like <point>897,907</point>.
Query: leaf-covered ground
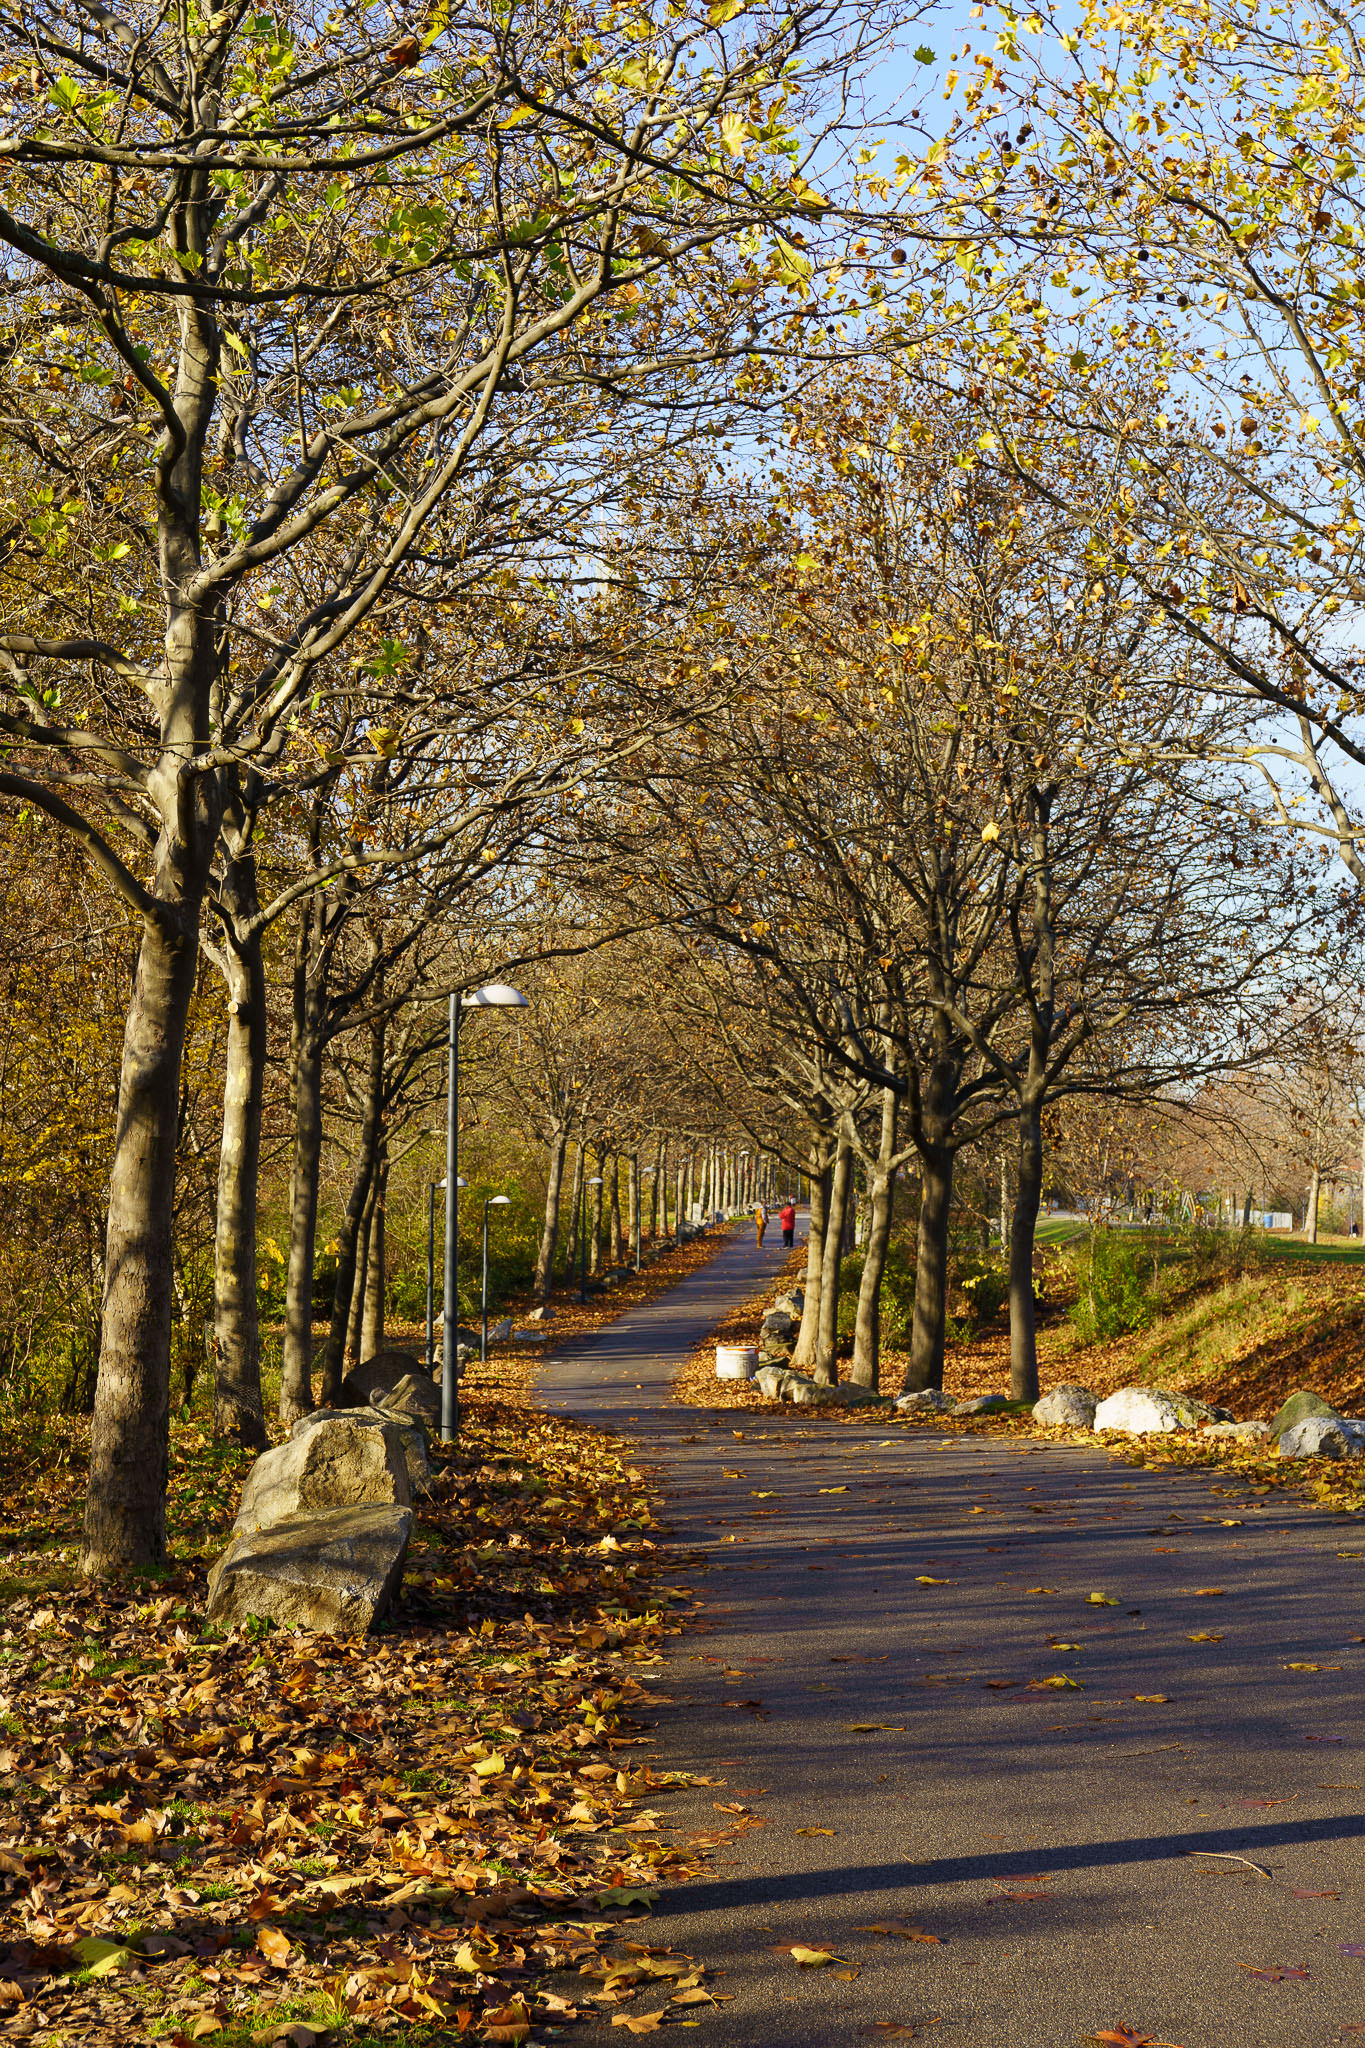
<point>450,1829</point>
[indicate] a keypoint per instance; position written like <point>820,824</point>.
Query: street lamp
<point>431,1271</point>
<point>496,995</point>
<point>490,1202</point>
<point>594,1182</point>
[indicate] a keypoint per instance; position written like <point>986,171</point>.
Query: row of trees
<point>475,507</point>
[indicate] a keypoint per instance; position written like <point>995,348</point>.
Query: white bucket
<point>736,1361</point>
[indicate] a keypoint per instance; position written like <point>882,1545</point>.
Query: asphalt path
<point>882,1609</point>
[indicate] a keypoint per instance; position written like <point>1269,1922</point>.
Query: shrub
<point>1116,1286</point>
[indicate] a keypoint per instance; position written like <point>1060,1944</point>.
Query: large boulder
<point>411,1435</point>
<point>1300,1405</point>
<point>1147,1411</point>
<point>804,1393</point>
<point>771,1380</point>
<point>339,1461</point>
<point>1323,1436</point>
<point>849,1394</point>
<point>333,1574</point>
<point>379,1375</point>
<point>777,1335</point>
<point>792,1303</point>
<point>1069,1406</point>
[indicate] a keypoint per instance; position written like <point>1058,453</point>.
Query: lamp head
<point>496,995</point>
<point>498,1202</point>
<point>594,1180</point>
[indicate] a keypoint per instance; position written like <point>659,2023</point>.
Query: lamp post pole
<point>450,1307</point>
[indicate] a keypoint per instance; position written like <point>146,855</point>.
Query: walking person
<point>786,1216</point>
<point>760,1223</point>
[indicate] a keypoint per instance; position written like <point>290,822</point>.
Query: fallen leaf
<point>274,1946</point>
<point>875,1727</point>
<point>831,1489</point>
<point>813,1958</point>
<point>1203,1635</point>
<point>640,2022</point>
<point>1152,1699</point>
<point>922,1580</point>
<point>1274,1973</point>
<point>1299,1893</point>
<point>815,1831</point>
<point>1057,1682</point>
<point>1209,1592</point>
<point>100,1958</point>
<point>1040,1589</point>
<point>904,1930</point>
<point>1100,1600</point>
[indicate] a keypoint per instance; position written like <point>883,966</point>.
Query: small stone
<point>925,1400</point>
<point>332,1574</point>
<point>338,1462</point>
<point>982,1404</point>
<point>1237,1432</point>
<point>1069,1406</point>
<point>1324,1436</point>
<point>1299,1406</point>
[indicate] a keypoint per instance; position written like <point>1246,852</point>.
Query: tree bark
<point>376,1276</point>
<point>334,1353</point>
<point>867,1330</point>
<point>931,1269</point>
<point>679,1192</point>
<point>575,1209</point>
<point>549,1229</point>
<point>356,1314</point>
<point>658,1189</point>
<point>238,1409</point>
<point>296,1371</point>
<point>125,1509</point>
<point>1310,1221</point>
<point>633,1217</point>
<point>1028,1195</point>
<point>595,1226</point>
<point>803,1353</point>
<point>614,1242</point>
<point>826,1367</point>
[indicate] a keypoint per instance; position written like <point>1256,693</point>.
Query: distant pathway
<point>1043,1833</point>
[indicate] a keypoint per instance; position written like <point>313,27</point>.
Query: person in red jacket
<point>787,1218</point>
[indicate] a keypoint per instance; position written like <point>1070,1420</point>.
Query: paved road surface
<point>1074,1850</point>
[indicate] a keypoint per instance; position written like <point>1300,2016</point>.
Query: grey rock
<point>379,1374</point>
<point>500,1332</point>
<point>804,1393</point>
<point>983,1404</point>
<point>417,1397</point>
<point>1324,1436</point>
<point>332,1574</point>
<point>1070,1406</point>
<point>411,1435</point>
<point>338,1462</point>
<point>850,1395</point>
<point>1243,1432</point>
<point>780,1323</point>
<point>792,1303</point>
<point>1299,1406</point>
<point>926,1401</point>
<point>773,1381</point>
<point>543,1314</point>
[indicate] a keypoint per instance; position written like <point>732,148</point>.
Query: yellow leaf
<point>1100,1600</point>
<point>274,1946</point>
<point>1152,1699</point>
<point>490,1766</point>
<point>723,11</point>
<point>923,1580</point>
<point>990,832</point>
<point>814,1958</point>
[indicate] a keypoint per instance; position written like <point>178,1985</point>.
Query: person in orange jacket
<point>760,1223</point>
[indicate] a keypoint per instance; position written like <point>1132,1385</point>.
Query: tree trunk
<point>125,1509</point>
<point>803,1353</point>
<point>615,1244</point>
<point>658,1189</point>
<point>867,1330</point>
<point>679,1194</point>
<point>931,1269</point>
<point>633,1218</point>
<point>334,1353</point>
<point>1310,1221</point>
<point>356,1315</point>
<point>238,1409</point>
<point>575,1210</point>
<point>296,1369</point>
<point>549,1229</point>
<point>376,1275</point>
<point>1027,1197</point>
<point>826,1367</point>
<point>1004,1205</point>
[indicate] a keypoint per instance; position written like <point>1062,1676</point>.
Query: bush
<point>1116,1286</point>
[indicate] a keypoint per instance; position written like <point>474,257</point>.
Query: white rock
<point>1139,1411</point>
<point>1324,1436</point>
<point>1066,1407</point>
<point>410,1434</point>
